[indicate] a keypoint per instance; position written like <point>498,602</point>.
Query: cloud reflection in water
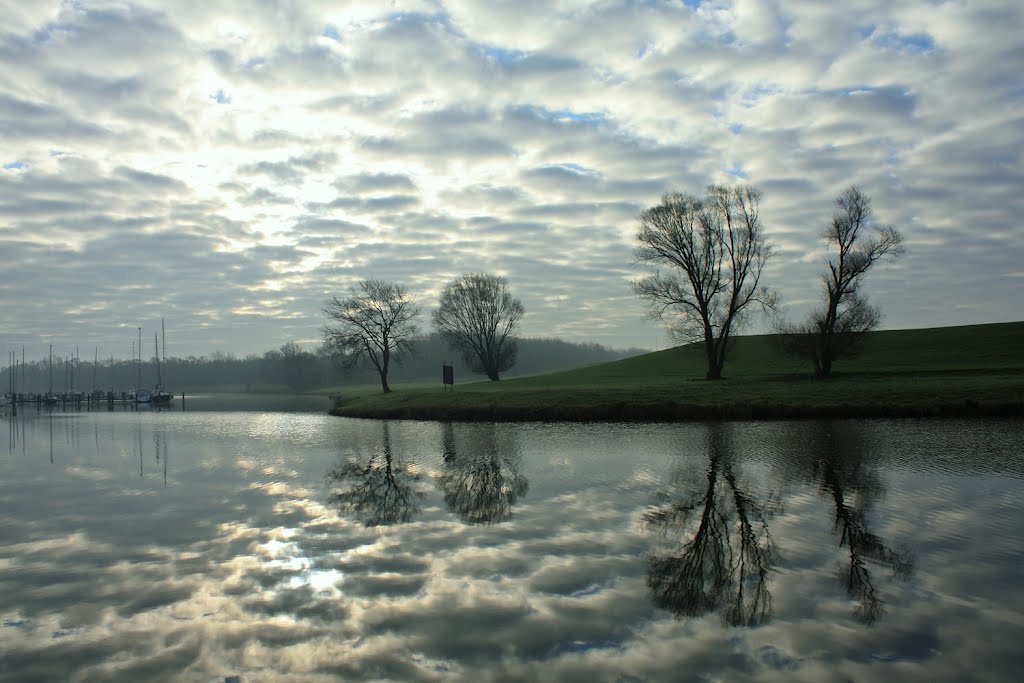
<point>256,570</point>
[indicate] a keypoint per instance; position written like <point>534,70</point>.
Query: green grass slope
<point>966,370</point>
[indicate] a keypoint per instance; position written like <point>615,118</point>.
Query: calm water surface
<point>275,546</point>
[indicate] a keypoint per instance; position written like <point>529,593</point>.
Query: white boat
<point>161,396</point>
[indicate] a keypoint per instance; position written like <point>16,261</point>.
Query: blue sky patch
<point>736,171</point>
<point>915,43</point>
<point>501,55</point>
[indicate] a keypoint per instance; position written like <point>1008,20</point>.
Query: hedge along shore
<point>679,412</point>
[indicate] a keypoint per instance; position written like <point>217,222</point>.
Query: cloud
<point>470,137</point>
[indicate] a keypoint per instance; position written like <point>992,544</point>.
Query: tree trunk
<point>386,361</point>
<point>819,348</point>
<point>492,375</point>
<point>715,359</point>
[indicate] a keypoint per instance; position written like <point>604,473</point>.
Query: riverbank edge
<point>672,411</point>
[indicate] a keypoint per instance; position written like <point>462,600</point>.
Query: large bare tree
<point>707,254</point>
<point>478,317</point>
<point>837,326</point>
<point>374,325</point>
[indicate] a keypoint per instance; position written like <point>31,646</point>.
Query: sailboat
<point>160,395</point>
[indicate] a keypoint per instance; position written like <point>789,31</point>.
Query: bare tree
<point>374,325</point>
<point>478,317</point>
<point>707,253</point>
<point>838,326</point>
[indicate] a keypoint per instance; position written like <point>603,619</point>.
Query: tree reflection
<point>481,480</point>
<point>853,486</point>
<point>377,490</point>
<point>726,551</point>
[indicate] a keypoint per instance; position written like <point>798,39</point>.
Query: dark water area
<point>187,545</point>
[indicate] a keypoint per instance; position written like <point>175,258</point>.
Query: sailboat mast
<point>156,346</point>
<point>95,363</point>
<point>138,379</point>
<point>51,368</point>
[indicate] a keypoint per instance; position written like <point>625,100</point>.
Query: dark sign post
<point>448,372</point>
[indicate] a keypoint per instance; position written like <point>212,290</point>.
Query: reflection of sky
<point>237,564</point>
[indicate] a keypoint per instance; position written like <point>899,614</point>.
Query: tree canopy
<point>375,324</point>
<point>836,327</point>
<point>478,317</point>
<point>707,255</point>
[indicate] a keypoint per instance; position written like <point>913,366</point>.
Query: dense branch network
<point>707,254</point>
<point>373,325</point>
<point>838,325</point>
<point>478,317</point>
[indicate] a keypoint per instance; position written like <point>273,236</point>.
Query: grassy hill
<point>975,369</point>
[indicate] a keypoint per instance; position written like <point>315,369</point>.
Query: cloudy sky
<point>228,165</point>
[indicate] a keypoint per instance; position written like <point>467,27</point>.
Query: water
<point>193,546</point>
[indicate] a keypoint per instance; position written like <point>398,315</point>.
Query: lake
<point>195,545</point>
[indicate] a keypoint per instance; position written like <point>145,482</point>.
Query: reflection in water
<point>235,571</point>
<point>726,551</point>
<point>378,490</point>
<point>852,485</point>
<point>160,447</point>
<point>482,480</point>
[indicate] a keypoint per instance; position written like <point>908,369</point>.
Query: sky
<point>227,166</point>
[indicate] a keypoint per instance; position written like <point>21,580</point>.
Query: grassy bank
<point>972,370</point>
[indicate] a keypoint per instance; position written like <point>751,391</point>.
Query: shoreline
<point>671,411</point>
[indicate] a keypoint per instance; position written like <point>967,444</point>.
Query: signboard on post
<point>448,373</point>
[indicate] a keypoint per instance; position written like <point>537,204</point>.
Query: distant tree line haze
<point>288,368</point>
<point>376,324</point>
<point>707,255</point>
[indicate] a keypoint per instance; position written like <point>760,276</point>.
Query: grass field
<point>971,370</point>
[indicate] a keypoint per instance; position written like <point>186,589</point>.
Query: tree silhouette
<point>481,481</point>
<point>837,327</point>
<point>478,317</point>
<point>726,552</point>
<point>707,255</point>
<point>374,325</point>
<point>376,489</point>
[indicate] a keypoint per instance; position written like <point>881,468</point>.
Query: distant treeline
<point>287,367</point>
